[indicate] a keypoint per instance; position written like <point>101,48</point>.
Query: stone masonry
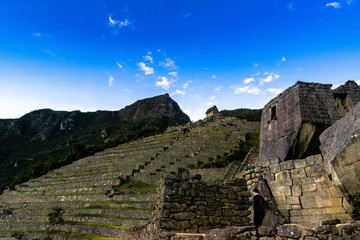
<point>292,122</point>
<point>188,204</point>
<point>301,189</point>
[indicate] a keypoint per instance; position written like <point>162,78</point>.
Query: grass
<point>95,224</point>
<point>123,208</point>
<point>104,216</point>
<point>61,233</point>
<point>136,185</point>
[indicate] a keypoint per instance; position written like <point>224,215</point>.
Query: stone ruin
<point>308,167</point>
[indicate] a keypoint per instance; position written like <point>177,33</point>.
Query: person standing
<point>259,207</point>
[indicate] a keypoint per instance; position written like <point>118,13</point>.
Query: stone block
<point>320,178</point>
<point>289,231</point>
<point>281,190</point>
<point>335,192</point>
<point>296,190</point>
<point>309,187</point>
<point>308,201</point>
<point>314,170</point>
<point>296,207</point>
<point>283,175</point>
<point>333,210</point>
<point>315,159</point>
<point>300,163</point>
<point>275,168</point>
<point>290,200</point>
<point>266,231</point>
<point>287,165</point>
<point>298,173</point>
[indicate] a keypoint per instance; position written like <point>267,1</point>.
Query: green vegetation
<point>253,115</point>
<point>44,139</point>
<point>104,216</point>
<point>136,185</point>
<point>251,140</point>
<point>62,233</point>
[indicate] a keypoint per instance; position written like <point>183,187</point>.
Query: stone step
<point>92,218</point>
<point>132,212</point>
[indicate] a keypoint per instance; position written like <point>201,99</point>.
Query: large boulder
<point>340,146</point>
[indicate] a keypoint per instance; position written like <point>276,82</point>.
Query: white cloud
<point>333,4</point>
<point>218,88</point>
<point>148,58</point>
<point>173,74</point>
<point>270,77</point>
<point>111,79</point>
<point>358,82</point>
<point>168,63</point>
<point>283,59</point>
<point>118,23</point>
<point>274,90</point>
<point>37,34</point>
<point>249,80</point>
<point>213,76</point>
<point>212,98</point>
<point>246,89</point>
<point>187,84</point>
<point>179,92</point>
<point>119,65</point>
<point>147,70</point>
<point>112,21</point>
<point>164,83</point>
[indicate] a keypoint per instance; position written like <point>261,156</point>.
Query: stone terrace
<point>81,188</point>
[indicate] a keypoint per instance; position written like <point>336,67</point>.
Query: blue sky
<point>104,55</point>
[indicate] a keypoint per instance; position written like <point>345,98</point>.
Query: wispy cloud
<point>334,5</point>
<point>218,88</point>
<point>187,84</point>
<point>164,83</point>
<point>274,90</point>
<point>249,80</point>
<point>37,34</point>
<point>246,89</point>
<point>178,92</point>
<point>291,6</point>
<point>173,74</point>
<point>211,101</point>
<point>111,79</point>
<point>148,58</point>
<point>147,70</point>
<point>119,23</point>
<point>168,63</point>
<point>186,15</point>
<point>270,77</point>
<point>283,59</point>
<point>213,76</point>
<point>119,65</point>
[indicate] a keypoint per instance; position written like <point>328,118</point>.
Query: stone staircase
<point>81,188</point>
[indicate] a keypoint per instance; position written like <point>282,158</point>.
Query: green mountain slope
<point>47,139</point>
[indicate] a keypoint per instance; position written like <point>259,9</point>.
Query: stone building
<point>212,111</point>
<point>292,122</point>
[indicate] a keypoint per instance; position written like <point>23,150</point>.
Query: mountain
<point>45,139</point>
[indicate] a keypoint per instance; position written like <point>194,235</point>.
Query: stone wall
<point>188,204</point>
<point>301,189</point>
<point>283,118</point>
<point>340,147</point>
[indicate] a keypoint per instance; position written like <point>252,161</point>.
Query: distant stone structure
<point>212,111</point>
<point>292,122</point>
